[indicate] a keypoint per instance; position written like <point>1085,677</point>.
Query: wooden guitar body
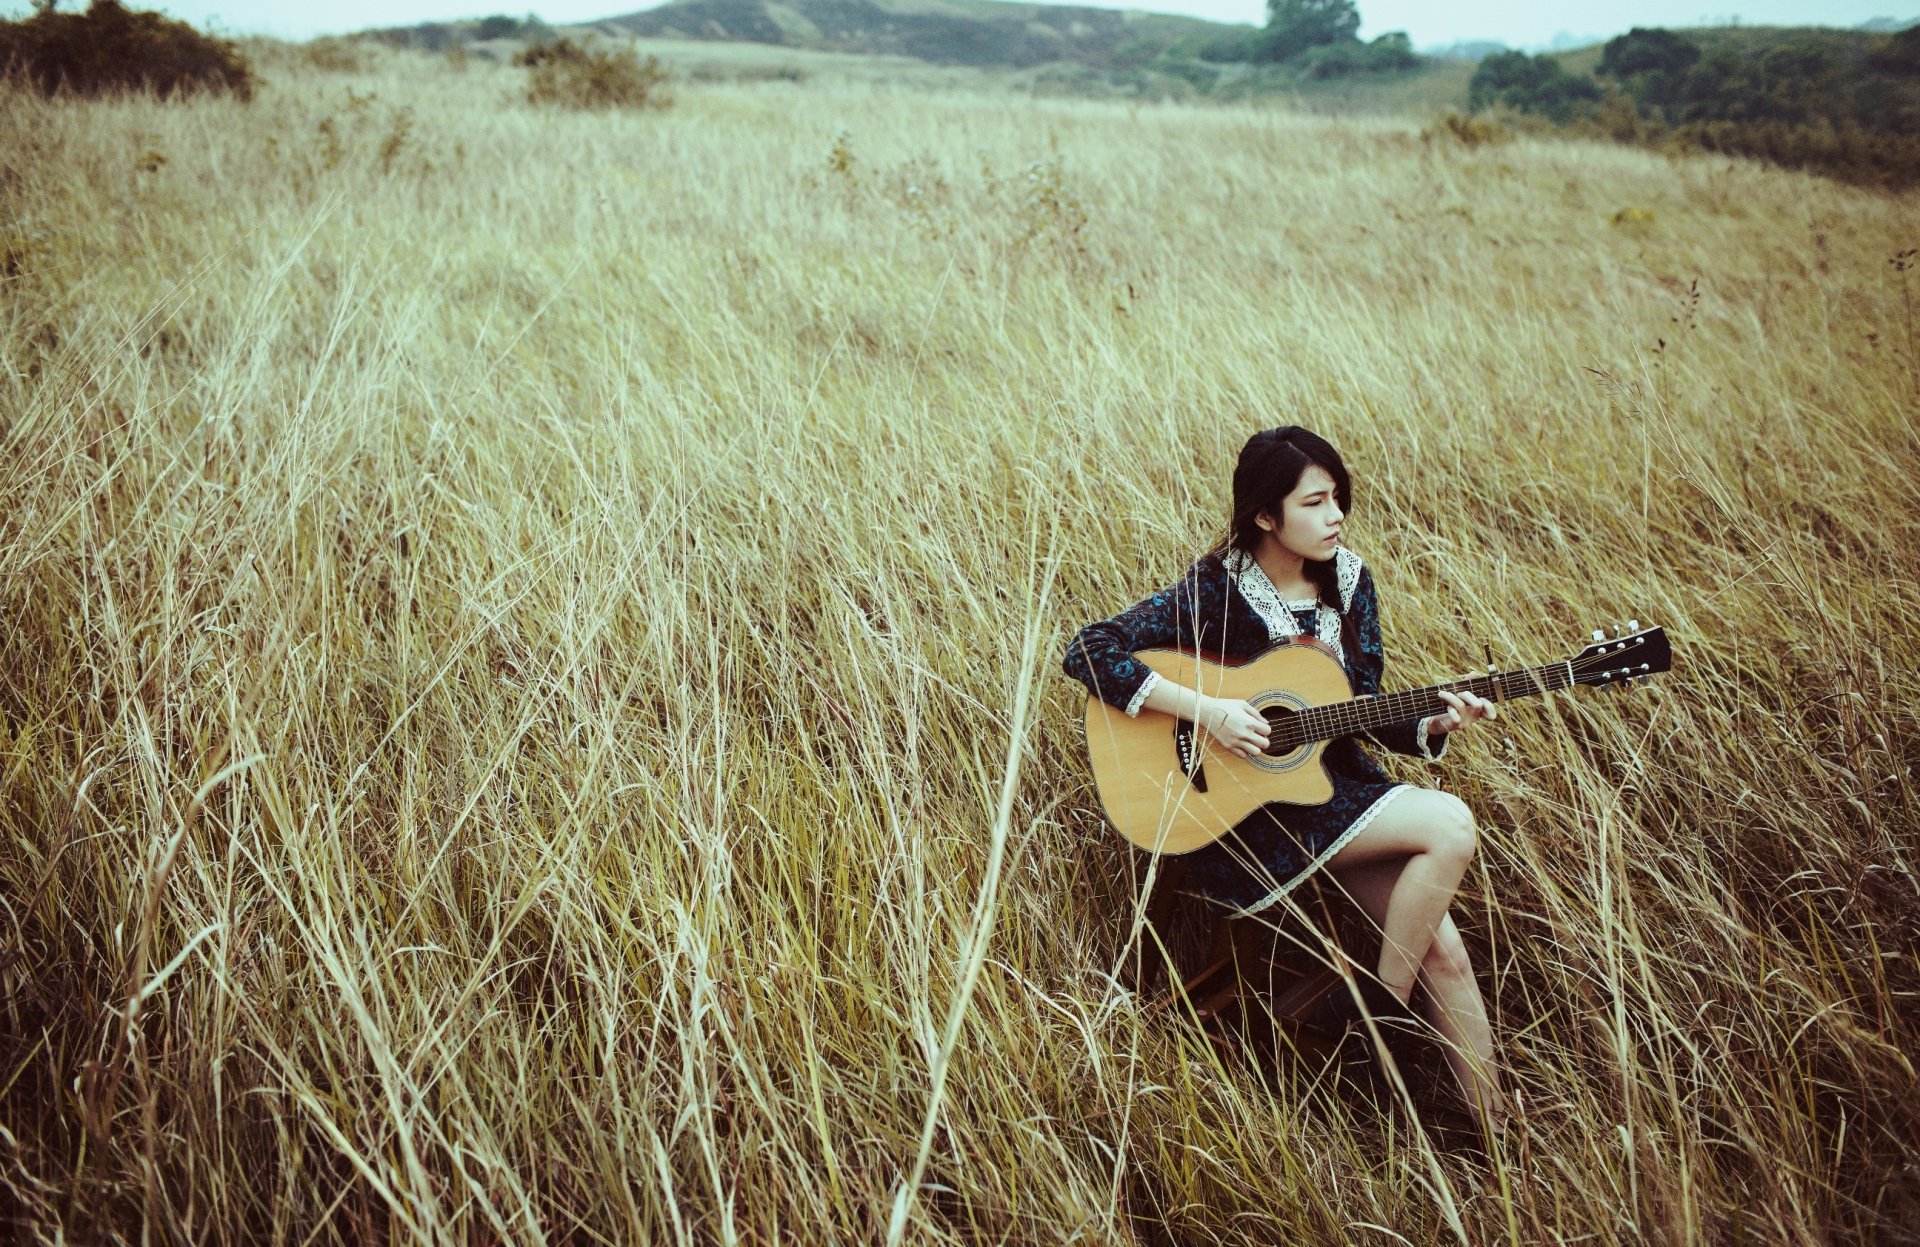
<point>1168,788</point>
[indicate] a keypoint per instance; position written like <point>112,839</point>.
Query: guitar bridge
<point>1188,753</point>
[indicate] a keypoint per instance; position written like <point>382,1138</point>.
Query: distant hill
<point>1036,48</point>
<point>1842,56</point>
<point>987,33</point>
<point>1794,77</point>
<point>1845,103</point>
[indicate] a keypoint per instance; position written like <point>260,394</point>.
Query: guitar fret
<point>1363,713</point>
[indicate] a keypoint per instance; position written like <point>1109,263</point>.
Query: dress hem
<point>1305,872</point>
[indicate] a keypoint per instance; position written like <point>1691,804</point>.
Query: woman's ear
<point>1264,520</point>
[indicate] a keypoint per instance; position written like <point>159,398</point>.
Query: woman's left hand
<point>1462,709</point>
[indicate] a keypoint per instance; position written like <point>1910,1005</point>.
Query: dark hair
<point>1270,467</point>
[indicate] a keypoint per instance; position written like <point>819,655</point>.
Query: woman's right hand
<point>1238,728</point>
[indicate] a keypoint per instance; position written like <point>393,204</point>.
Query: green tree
<point>1642,51</point>
<point>111,48</point>
<point>499,26</point>
<point>1390,53</point>
<point>1295,27</point>
<point>1654,66</point>
<point>1899,54</point>
<point>1531,84</point>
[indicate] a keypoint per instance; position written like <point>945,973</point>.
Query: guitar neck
<point>1363,714</point>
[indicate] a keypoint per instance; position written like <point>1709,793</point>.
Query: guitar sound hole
<point>1283,730</point>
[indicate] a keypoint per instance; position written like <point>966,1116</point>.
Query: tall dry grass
<point>529,694</point>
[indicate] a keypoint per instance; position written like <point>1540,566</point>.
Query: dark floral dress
<point>1226,609</point>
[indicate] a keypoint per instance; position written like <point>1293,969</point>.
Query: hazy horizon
<point>1506,21</point>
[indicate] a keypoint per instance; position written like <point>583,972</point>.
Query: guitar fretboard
<point>1362,714</point>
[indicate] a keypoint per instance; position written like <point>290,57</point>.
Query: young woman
<point>1400,851</point>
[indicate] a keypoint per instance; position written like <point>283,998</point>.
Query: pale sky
<point>1518,23</point>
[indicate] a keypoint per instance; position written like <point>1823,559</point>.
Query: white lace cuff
<point>1140,694</point>
<point>1422,739</point>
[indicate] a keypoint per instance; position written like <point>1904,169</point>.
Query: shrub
<point>573,75</point>
<point>1232,49</point>
<point>335,55</point>
<point>1656,66</point>
<point>1642,51</point>
<point>1531,84</point>
<point>500,26</point>
<point>111,48</point>
<point>1467,131</point>
<point>1899,54</point>
<point>1619,118</point>
<point>1845,151</point>
<point>1391,53</point>
<point>426,37</point>
<point>1295,27</point>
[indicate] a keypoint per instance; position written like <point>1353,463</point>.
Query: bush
<point>111,48</point>
<point>1619,118</point>
<point>1231,49</point>
<point>1531,84</point>
<point>1467,131</point>
<point>426,37</point>
<point>1657,67</point>
<point>1391,53</point>
<point>1847,152</point>
<point>500,26</point>
<point>1899,54</point>
<point>573,75</point>
<point>1295,27</point>
<point>335,55</point>
<point>1643,51</point>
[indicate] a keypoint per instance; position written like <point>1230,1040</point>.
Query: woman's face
<point>1309,526</point>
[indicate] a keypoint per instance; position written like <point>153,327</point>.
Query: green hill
<point>1844,45</point>
<point>1844,80</point>
<point>1845,103</point>
<point>986,33</point>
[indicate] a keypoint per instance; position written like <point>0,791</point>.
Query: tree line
<point>1835,102</point>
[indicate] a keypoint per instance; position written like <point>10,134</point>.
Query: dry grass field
<point>529,694</point>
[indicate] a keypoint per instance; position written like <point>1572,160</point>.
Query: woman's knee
<point>1455,835</point>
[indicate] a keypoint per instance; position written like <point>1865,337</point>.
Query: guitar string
<point>1388,708</point>
<point>1359,714</point>
<point>1345,718</point>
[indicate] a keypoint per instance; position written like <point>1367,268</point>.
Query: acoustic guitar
<point>1167,787</point>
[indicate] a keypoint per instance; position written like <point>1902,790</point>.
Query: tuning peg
<point>1633,625</point>
<point>1599,635</point>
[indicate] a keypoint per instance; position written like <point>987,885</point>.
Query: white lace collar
<point>1273,609</point>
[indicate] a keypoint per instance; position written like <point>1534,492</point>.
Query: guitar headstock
<point>1632,652</point>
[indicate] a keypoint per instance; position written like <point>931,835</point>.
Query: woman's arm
<point>1238,727</point>
<point>1101,656</point>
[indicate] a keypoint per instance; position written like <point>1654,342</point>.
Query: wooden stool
<point>1270,969</point>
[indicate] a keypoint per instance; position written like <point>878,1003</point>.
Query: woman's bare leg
<point>1430,835</point>
<point>1458,1012</point>
<point>1454,1003</point>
